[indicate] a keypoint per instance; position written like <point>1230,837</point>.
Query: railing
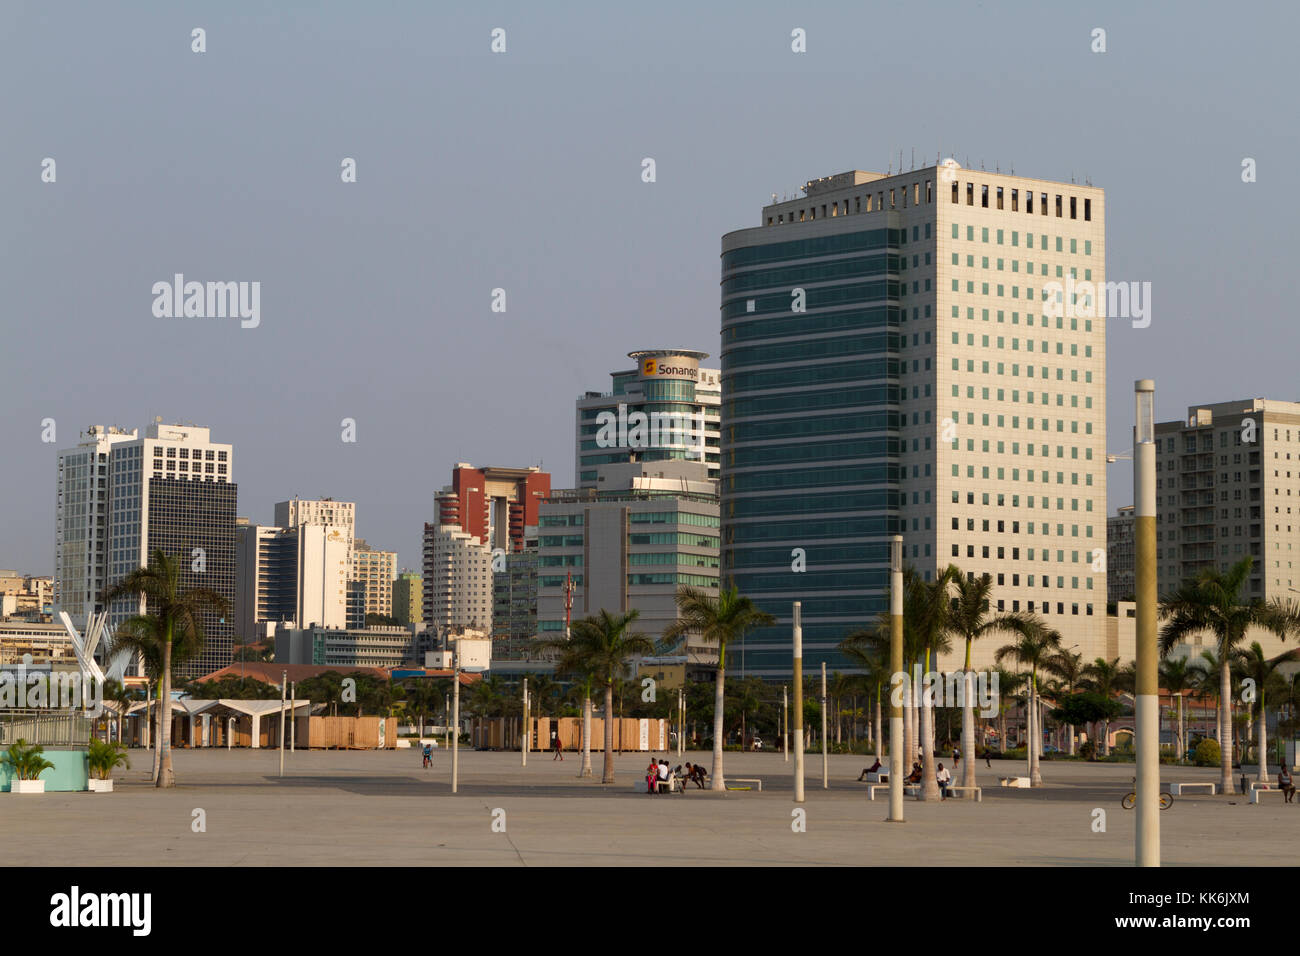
<point>49,728</point>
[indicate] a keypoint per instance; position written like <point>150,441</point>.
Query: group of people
<point>658,776</point>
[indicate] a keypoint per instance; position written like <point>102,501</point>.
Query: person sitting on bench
<point>872,769</point>
<point>915,775</point>
<point>1285,784</point>
<point>697,774</point>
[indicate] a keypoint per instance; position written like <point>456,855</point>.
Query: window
<point>1072,207</point>
<point>999,197</point>
<point>1015,203</point>
<point>970,194</point>
<point>1058,205</point>
<point>984,196</point>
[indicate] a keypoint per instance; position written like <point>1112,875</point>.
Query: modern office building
<point>1228,487</point>
<point>645,530</point>
<point>493,504</point>
<point>354,647</point>
<point>296,577</point>
<point>375,570</point>
<point>896,359</point>
<point>1121,572</point>
<point>408,598</point>
<point>172,490</point>
<point>457,579</point>
<point>81,521</point>
<point>321,511</point>
<point>678,403</point>
<point>514,597</point>
<point>26,596</point>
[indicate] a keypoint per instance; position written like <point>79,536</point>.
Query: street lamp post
<point>523,748</point>
<point>825,759</point>
<point>785,723</point>
<point>284,686</point>
<point>1147,700</point>
<point>798,705</point>
<point>455,719</point>
<point>896,679</point>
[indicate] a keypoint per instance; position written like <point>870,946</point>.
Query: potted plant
<point>103,757</point>
<point>28,765</point>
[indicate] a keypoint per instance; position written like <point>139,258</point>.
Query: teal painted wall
<point>71,771</point>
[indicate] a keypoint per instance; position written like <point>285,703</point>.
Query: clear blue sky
<point>522,170</point>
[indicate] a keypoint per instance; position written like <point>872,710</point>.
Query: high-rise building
<point>408,598</point>
<point>646,529</point>
<point>896,359</point>
<point>375,571</point>
<point>81,522</point>
<point>514,597</point>
<point>324,511</point>
<point>457,579</point>
<point>172,490</point>
<point>1121,571</point>
<point>290,577</point>
<point>1227,488</point>
<point>679,402</point>
<point>493,504</point>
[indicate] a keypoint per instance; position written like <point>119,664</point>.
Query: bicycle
<point>1130,799</point>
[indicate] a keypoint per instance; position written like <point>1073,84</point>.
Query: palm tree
<point>723,619</point>
<point>1212,603</point>
<point>933,625</point>
<point>969,621</point>
<point>599,647</point>
<point>171,629</point>
<point>1069,668</point>
<point>1032,649</point>
<point>1255,666</point>
<point>1007,683</point>
<point>1178,678</point>
<point>864,648</point>
<point>542,690</point>
<point>1105,677</point>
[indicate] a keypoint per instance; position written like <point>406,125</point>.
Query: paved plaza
<point>381,808</point>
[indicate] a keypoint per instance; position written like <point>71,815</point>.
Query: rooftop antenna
<point>914,157</point>
<point>900,160</point>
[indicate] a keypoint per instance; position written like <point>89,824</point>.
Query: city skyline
<point>388,289</point>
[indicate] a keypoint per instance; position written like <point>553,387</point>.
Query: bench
<point>731,780</point>
<point>910,789</point>
<point>1177,789</point>
<point>1256,791</point>
<point>978,791</point>
<point>880,776</point>
<point>1014,781</point>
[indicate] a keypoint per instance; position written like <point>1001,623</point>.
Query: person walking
<point>557,747</point>
<point>428,756</point>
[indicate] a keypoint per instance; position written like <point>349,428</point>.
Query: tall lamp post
<point>798,704</point>
<point>825,764</point>
<point>1147,710</point>
<point>896,679</point>
<point>785,723</point>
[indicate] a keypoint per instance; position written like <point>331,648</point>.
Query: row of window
<point>1029,201</point>
<point>1044,240</point>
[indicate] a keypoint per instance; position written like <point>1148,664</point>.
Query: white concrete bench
<point>909,789</point>
<point>1178,789</point>
<point>880,776</point>
<point>1256,791</point>
<point>1014,781</point>
<point>731,780</point>
<point>978,791</point>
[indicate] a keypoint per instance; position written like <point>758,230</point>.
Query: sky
<point>522,170</point>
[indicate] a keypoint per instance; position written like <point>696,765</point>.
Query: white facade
<point>81,521</point>
<point>458,579</point>
<point>324,511</point>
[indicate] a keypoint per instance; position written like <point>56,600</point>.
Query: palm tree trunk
<point>1261,744</point>
<point>1182,739</point>
<point>968,722</point>
<point>166,778</point>
<point>157,740</point>
<point>1035,778</point>
<point>909,738</point>
<point>719,784</point>
<point>929,782</point>
<point>607,775</point>
<point>1225,723</point>
<point>586,736</point>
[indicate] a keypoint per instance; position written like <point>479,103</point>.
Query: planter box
<point>27,786</point>
<point>101,786</point>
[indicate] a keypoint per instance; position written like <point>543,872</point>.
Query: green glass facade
<point>810,441</point>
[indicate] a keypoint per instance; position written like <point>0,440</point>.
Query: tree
<point>1212,603</point>
<point>172,628</point>
<point>1069,667</point>
<point>933,608</point>
<point>1178,678</point>
<point>1104,676</point>
<point>1031,649</point>
<point>969,620</point>
<point>1254,666</point>
<point>600,646</point>
<point>1086,708</point>
<point>723,619</point>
